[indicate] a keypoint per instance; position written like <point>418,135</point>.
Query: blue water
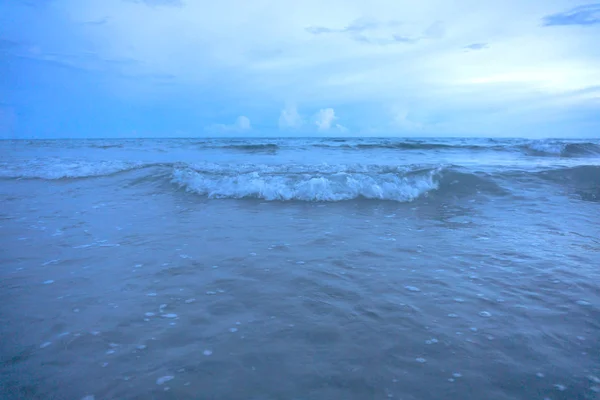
<point>312,268</point>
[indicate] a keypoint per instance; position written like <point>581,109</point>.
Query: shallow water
<point>165,270</point>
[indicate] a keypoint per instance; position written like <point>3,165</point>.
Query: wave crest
<point>325,184</point>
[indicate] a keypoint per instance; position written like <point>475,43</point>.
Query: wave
<point>403,146</point>
<point>55,168</point>
<point>538,148</point>
<point>331,183</point>
<point>560,148</point>
<point>305,183</point>
<point>270,147</point>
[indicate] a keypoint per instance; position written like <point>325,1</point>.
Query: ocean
<point>309,268</point>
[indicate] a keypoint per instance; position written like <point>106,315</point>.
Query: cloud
<point>242,124</point>
<point>155,3</point>
<point>97,22</point>
<point>289,118</point>
<point>379,32</point>
<point>324,118</point>
<point>584,15</point>
<point>477,46</point>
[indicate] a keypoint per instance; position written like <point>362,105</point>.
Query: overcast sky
<point>123,68</point>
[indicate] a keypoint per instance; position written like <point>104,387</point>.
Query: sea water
<point>313,268</point>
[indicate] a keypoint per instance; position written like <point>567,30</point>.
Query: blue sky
<point>141,68</point>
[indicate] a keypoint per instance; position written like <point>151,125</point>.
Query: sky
<point>180,68</point>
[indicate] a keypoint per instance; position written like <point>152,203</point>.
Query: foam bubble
<point>560,387</point>
<point>169,315</point>
<point>188,301</point>
<point>48,282</point>
<point>485,314</point>
<point>164,379</point>
<point>233,330</point>
<point>207,352</point>
<point>420,360</point>
<point>412,288</point>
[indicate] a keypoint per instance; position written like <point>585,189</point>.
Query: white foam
<point>307,183</point>
<point>110,352</point>
<point>485,314</point>
<point>207,352</point>
<point>211,293</point>
<point>138,266</point>
<point>169,315</point>
<point>412,288</point>
<point>150,314</point>
<point>420,360</point>
<point>583,303</point>
<point>540,374</point>
<point>45,344</point>
<point>164,379</point>
<point>141,347</point>
<point>233,330</point>
<point>188,301</point>
<point>457,375</point>
<point>51,262</point>
<point>48,282</point>
<point>560,387</point>
<point>452,315</point>
<point>459,300</point>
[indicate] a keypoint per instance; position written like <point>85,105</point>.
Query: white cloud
<point>324,118</point>
<point>289,118</point>
<point>242,124</point>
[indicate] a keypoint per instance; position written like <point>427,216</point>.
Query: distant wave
<point>56,168</point>
<point>539,148</point>
<point>560,148</point>
<point>252,147</point>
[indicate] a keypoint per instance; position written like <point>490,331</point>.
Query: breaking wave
<point>309,183</point>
